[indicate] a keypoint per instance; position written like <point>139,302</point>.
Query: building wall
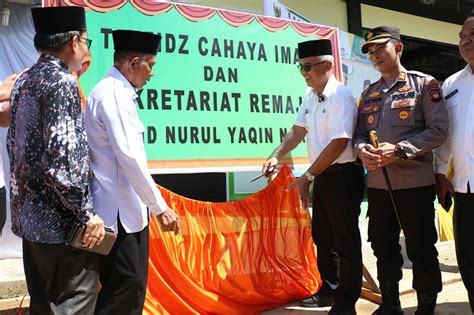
<point>334,13</point>
<point>325,12</point>
<point>251,6</point>
<point>411,25</point>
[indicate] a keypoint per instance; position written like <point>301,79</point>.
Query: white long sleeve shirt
<point>121,182</point>
<point>460,145</point>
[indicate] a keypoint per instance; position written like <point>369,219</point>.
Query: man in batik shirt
<point>49,165</point>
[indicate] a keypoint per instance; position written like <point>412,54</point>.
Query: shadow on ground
<point>294,309</point>
<point>443,267</point>
<point>447,308</point>
<point>15,312</point>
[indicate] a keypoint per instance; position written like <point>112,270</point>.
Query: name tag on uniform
<point>408,102</point>
<point>447,97</point>
<point>369,108</point>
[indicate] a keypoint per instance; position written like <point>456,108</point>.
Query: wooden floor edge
<point>370,296</point>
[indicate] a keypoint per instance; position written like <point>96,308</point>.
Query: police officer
<point>407,110</point>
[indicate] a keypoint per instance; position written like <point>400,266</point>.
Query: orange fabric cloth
<point>240,257</point>
<point>83,97</point>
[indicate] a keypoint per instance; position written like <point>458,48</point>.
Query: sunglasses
<point>307,67</point>
<point>87,41</point>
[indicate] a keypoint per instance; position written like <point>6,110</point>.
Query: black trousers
<point>124,274</point>
<point>416,212</point>
<point>463,236</point>
<point>337,195</point>
<point>60,279</point>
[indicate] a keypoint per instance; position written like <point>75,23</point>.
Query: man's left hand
<point>444,190</point>
<point>386,151</point>
<point>301,184</point>
<point>169,221</point>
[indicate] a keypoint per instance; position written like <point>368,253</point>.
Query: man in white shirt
<point>327,118</point>
<point>458,89</point>
<point>123,190</point>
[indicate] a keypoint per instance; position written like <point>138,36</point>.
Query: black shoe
<point>390,300</point>
<point>386,309</point>
<point>339,309</point>
<point>471,301</point>
<point>324,297</point>
<point>426,303</point>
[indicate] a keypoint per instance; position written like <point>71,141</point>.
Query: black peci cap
<point>55,20</point>
<point>380,35</point>
<point>314,48</point>
<point>143,42</point>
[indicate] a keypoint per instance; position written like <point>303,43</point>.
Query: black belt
<point>336,168</point>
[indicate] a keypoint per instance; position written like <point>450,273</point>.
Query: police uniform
<point>411,114</point>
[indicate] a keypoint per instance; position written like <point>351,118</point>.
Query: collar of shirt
<point>402,77</point>
<point>115,73</point>
<point>467,70</point>
<point>329,89</point>
<point>54,60</point>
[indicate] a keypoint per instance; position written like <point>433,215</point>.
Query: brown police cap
<point>55,20</point>
<point>380,35</point>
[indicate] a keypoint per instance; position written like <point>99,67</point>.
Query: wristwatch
<point>309,176</point>
<point>400,153</point>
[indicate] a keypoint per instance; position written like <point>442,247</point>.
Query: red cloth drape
<point>238,257</point>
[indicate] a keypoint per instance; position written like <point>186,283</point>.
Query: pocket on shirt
<point>321,126</point>
<point>403,112</point>
<point>140,133</point>
<point>309,119</point>
<point>371,114</point>
<point>140,127</point>
<point>453,108</point>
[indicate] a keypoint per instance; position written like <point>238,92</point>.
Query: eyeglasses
<point>87,41</point>
<point>307,67</point>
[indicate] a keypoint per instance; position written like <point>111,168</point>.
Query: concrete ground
<point>12,286</point>
<point>451,301</point>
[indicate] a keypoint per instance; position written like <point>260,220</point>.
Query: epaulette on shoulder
<point>418,73</point>
<point>370,86</point>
